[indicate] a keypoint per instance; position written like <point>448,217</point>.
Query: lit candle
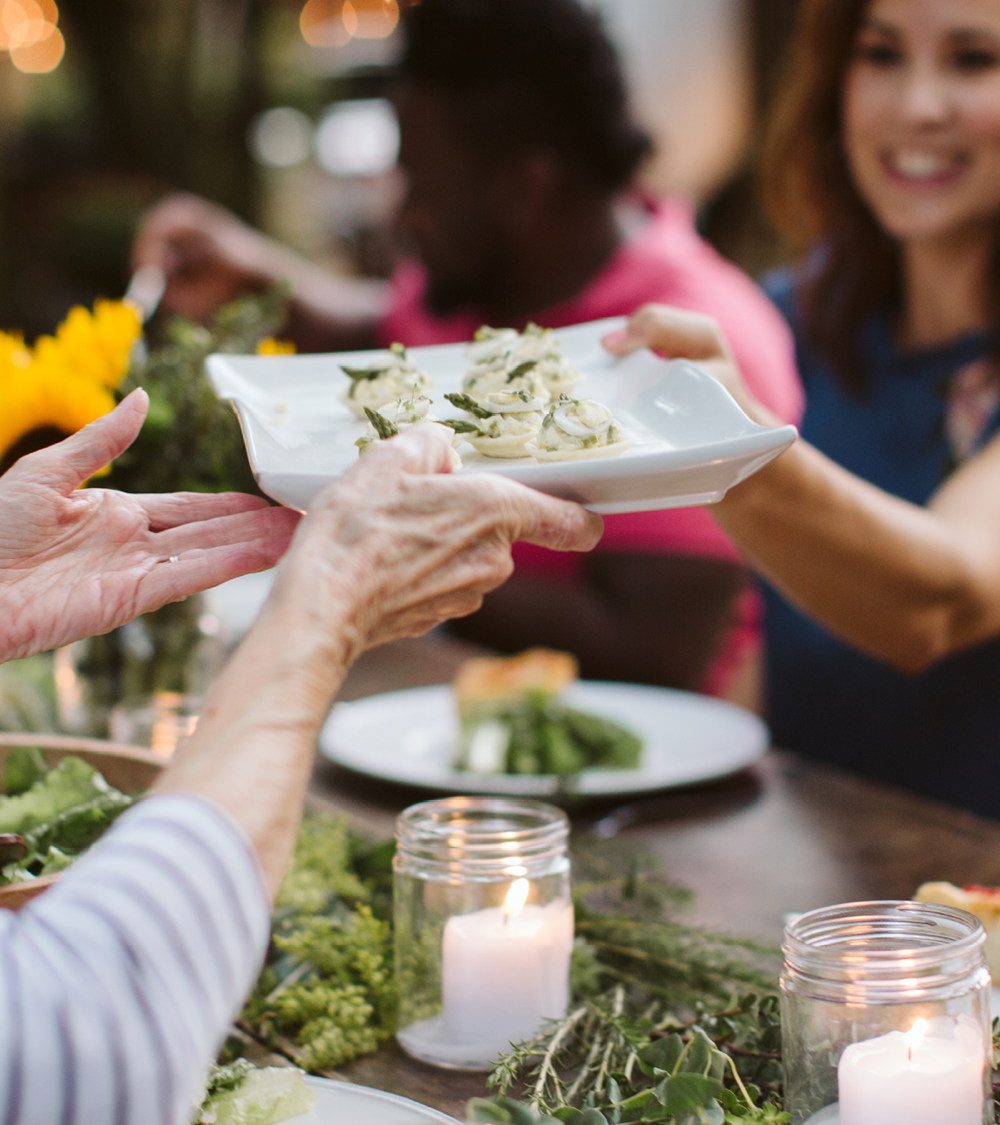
<point>505,970</point>
<point>932,1075</point>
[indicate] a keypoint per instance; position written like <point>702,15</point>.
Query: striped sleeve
<point>117,985</point>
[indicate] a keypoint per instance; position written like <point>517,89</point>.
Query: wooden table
<point>787,836</point>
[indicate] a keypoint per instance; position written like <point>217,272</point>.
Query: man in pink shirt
<point>519,149</point>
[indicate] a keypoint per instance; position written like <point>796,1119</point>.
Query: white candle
<point>505,970</point>
<point>932,1075</point>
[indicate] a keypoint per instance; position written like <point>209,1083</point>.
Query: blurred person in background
<point>519,152</point>
<point>881,531</point>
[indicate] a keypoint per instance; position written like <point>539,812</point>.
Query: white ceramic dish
<point>690,441</point>
<point>341,1103</point>
<point>409,737</point>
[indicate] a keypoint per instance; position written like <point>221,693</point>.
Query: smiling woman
<point>884,160</point>
<point>885,149</point>
<point>880,532</point>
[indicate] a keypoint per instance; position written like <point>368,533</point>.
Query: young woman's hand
<point>679,334</point>
<point>75,561</point>
<point>402,544</point>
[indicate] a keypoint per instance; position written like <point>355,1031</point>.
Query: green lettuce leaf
<point>24,766</point>
<point>264,1097</point>
<point>71,783</point>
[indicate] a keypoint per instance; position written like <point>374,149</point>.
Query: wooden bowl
<point>128,768</point>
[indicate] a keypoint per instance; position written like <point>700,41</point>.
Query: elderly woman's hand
<point>403,544</point>
<point>679,334</point>
<point>391,548</point>
<point>75,562</point>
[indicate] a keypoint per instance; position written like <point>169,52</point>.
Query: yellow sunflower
<point>66,381</point>
<point>40,407</point>
<point>13,353</point>
<point>94,345</point>
<point>268,345</point>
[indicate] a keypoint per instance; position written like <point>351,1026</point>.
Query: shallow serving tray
<point>690,441</point>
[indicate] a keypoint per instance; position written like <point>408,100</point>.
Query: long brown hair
<point>811,197</point>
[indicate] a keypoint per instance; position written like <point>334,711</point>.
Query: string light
<point>334,23</point>
<point>28,31</point>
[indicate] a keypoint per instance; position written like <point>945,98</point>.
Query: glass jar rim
<point>883,952</point>
<point>496,837</point>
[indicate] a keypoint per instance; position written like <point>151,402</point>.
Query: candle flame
<point>517,896</point>
<point>915,1034</point>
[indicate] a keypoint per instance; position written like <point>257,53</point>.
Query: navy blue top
<point>939,732</point>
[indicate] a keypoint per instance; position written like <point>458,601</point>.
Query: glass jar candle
<point>885,1016</point>
<point>484,926</point>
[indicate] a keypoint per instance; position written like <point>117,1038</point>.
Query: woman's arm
<point>116,986</point>
<point>906,584</point>
<point>393,547</point>
<point>208,257</point>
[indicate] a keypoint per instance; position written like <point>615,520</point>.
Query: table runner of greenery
<point>670,1022</point>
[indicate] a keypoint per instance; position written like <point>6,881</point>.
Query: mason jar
<point>885,1016</point>
<point>484,926</point>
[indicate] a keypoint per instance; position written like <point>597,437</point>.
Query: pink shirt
<point>667,262</point>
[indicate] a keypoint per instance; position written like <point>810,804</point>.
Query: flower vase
<point>171,651</point>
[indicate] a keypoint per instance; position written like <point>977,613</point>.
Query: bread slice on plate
<point>488,683</point>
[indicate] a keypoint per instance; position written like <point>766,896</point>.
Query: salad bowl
<point>127,768</point>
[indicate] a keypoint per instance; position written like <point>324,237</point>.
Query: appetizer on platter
<point>398,416</point>
<point>554,369</point>
<point>575,429</point>
<point>503,374</point>
<point>504,421</point>
<point>534,344</point>
<point>507,395</point>
<point>491,343</point>
<point>983,902</point>
<point>385,381</point>
<point>514,722</point>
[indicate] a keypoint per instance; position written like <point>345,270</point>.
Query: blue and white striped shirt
<point>118,984</point>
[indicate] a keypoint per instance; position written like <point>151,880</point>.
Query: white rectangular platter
<point>690,441</point>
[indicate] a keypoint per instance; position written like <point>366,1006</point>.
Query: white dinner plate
<point>341,1103</point>
<point>409,737</point>
<point>690,441</point>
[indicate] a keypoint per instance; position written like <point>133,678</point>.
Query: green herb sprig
<point>365,374</point>
<point>327,992</point>
<point>670,1023</point>
<point>522,369</point>
<point>383,427</point>
<point>191,442</point>
<point>468,404</point>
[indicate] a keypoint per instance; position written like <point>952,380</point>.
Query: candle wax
<point>937,1079</point>
<point>503,976</point>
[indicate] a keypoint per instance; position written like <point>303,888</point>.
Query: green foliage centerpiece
<point>190,442</point>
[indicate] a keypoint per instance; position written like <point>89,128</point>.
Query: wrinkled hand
<point>77,562</point>
<point>679,334</point>
<point>409,545</point>
<point>208,256</point>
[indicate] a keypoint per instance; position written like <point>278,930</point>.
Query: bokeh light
<point>28,30</point>
<point>333,23</point>
<point>358,138</point>
<point>281,137</point>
